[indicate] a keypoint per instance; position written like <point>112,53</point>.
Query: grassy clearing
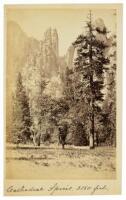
<point>55,163</point>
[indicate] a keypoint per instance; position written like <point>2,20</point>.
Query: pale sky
<point>69,21</point>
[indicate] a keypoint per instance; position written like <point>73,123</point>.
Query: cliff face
<point>22,50</point>
<point>17,43</point>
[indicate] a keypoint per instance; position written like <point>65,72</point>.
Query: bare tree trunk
<point>36,139</point>
<point>91,141</point>
<point>91,136</point>
<point>97,139</point>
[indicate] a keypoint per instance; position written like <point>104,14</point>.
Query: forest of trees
<point>86,112</point>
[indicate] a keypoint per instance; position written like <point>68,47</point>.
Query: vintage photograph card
<point>63,99</point>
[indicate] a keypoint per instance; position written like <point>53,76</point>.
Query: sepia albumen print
<point>62,77</point>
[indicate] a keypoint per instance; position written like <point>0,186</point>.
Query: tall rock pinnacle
<point>55,45</point>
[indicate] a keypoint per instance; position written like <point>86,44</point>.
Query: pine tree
<point>21,114</point>
<point>90,65</point>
